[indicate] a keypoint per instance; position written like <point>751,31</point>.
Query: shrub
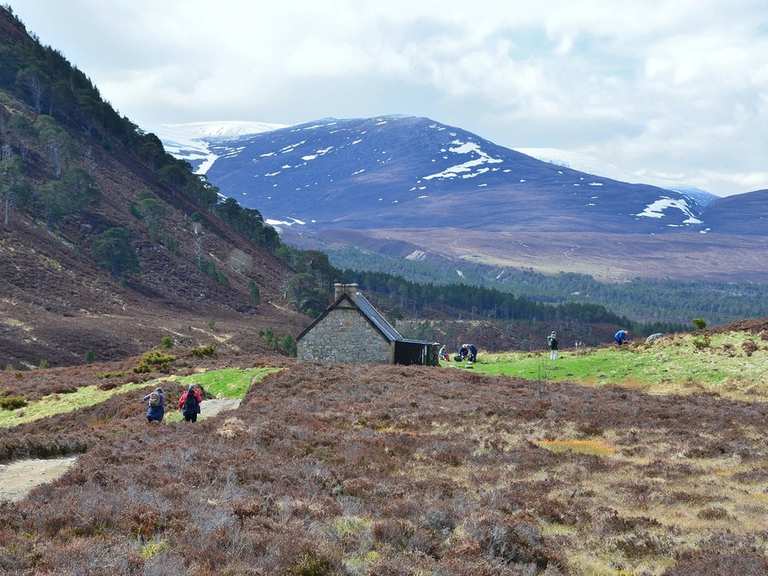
<point>699,323</point>
<point>154,360</point>
<point>702,342</point>
<point>312,564</point>
<point>287,345</point>
<point>203,351</point>
<point>166,342</point>
<point>209,269</point>
<point>12,402</point>
<point>113,250</point>
<point>90,356</point>
<point>110,375</point>
<point>750,347</point>
<point>43,364</point>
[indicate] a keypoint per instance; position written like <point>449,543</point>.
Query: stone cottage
<point>351,330</point>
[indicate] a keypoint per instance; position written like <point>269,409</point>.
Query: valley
<point>412,468</point>
<point>230,347</point>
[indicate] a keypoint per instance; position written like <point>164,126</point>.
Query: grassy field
<point>224,383</point>
<point>734,365</point>
<point>227,382</point>
<point>62,403</point>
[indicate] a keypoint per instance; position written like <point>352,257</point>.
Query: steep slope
<point>406,172</point>
<point>745,214</point>
<point>106,242</point>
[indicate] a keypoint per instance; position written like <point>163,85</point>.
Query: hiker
<point>189,403</point>
<point>468,352</point>
<point>553,345</point>
<point>155,405</point>
<point>621,337</point>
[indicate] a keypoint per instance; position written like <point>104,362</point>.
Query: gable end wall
<point>344,336</point>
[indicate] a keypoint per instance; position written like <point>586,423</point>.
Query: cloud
<point>654,87</point>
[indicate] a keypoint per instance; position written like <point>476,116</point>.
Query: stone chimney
<point>339,289</point>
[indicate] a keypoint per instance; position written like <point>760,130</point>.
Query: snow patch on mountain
<point>657,209</point>
<point>191,141</point>
<point>457,169</point>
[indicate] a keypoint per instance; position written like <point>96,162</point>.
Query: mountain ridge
<point>438,189</point>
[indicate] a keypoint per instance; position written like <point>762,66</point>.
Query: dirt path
<point>19,478</point>
<point>210,408</point>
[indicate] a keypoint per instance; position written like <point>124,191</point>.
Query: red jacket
<point>198,394</point>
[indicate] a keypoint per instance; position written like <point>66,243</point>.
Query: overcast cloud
<point>669,92</point>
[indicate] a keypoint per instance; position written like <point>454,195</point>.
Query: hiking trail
<point>17,479</point>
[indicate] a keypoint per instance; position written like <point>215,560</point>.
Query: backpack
<point>190,403</point>
<point>154,399</point>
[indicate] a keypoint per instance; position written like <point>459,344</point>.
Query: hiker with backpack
<point>155,405</point>
<point>553,345</point>
<point>189,403</point>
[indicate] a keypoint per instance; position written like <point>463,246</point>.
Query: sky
<point>668,92</point>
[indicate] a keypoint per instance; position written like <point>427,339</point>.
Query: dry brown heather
<point>391,470</point>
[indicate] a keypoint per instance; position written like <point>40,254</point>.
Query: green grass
<point>673,365</point>
<point>63,403</point>
<point>227,382</point>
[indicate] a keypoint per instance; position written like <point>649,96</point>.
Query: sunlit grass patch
<point>54,404</point>
<point>228,382</point>
<point>592,447</point>
<point>350,525</point>
<point>153,548</point>
<point>672,366</point>
<point>360,563</point>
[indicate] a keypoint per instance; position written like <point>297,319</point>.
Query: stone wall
<point>344,336</point>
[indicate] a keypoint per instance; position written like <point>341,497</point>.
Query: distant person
<point>155,405</point>
<point>553,345</point>
<point>467,352</point>
<point>621,337</point>
<point>189,403</point>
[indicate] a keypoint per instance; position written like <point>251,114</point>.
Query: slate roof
<point>375,318</point>
<point>367,309</point>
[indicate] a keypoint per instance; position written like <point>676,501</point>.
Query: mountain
<point>408,172</point>
<point>745,214</point>
<point>589,163</point>
<point>408,187</point>
<point>701,197</point>
<point>192,141</point>
<point>107,243</point>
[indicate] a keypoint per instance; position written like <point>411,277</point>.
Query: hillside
<point>389,470</point>
<point>107,243</point>
<point>745,214</point>
<point>412,187</point>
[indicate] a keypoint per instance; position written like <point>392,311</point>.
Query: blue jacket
<point>155,412</point>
